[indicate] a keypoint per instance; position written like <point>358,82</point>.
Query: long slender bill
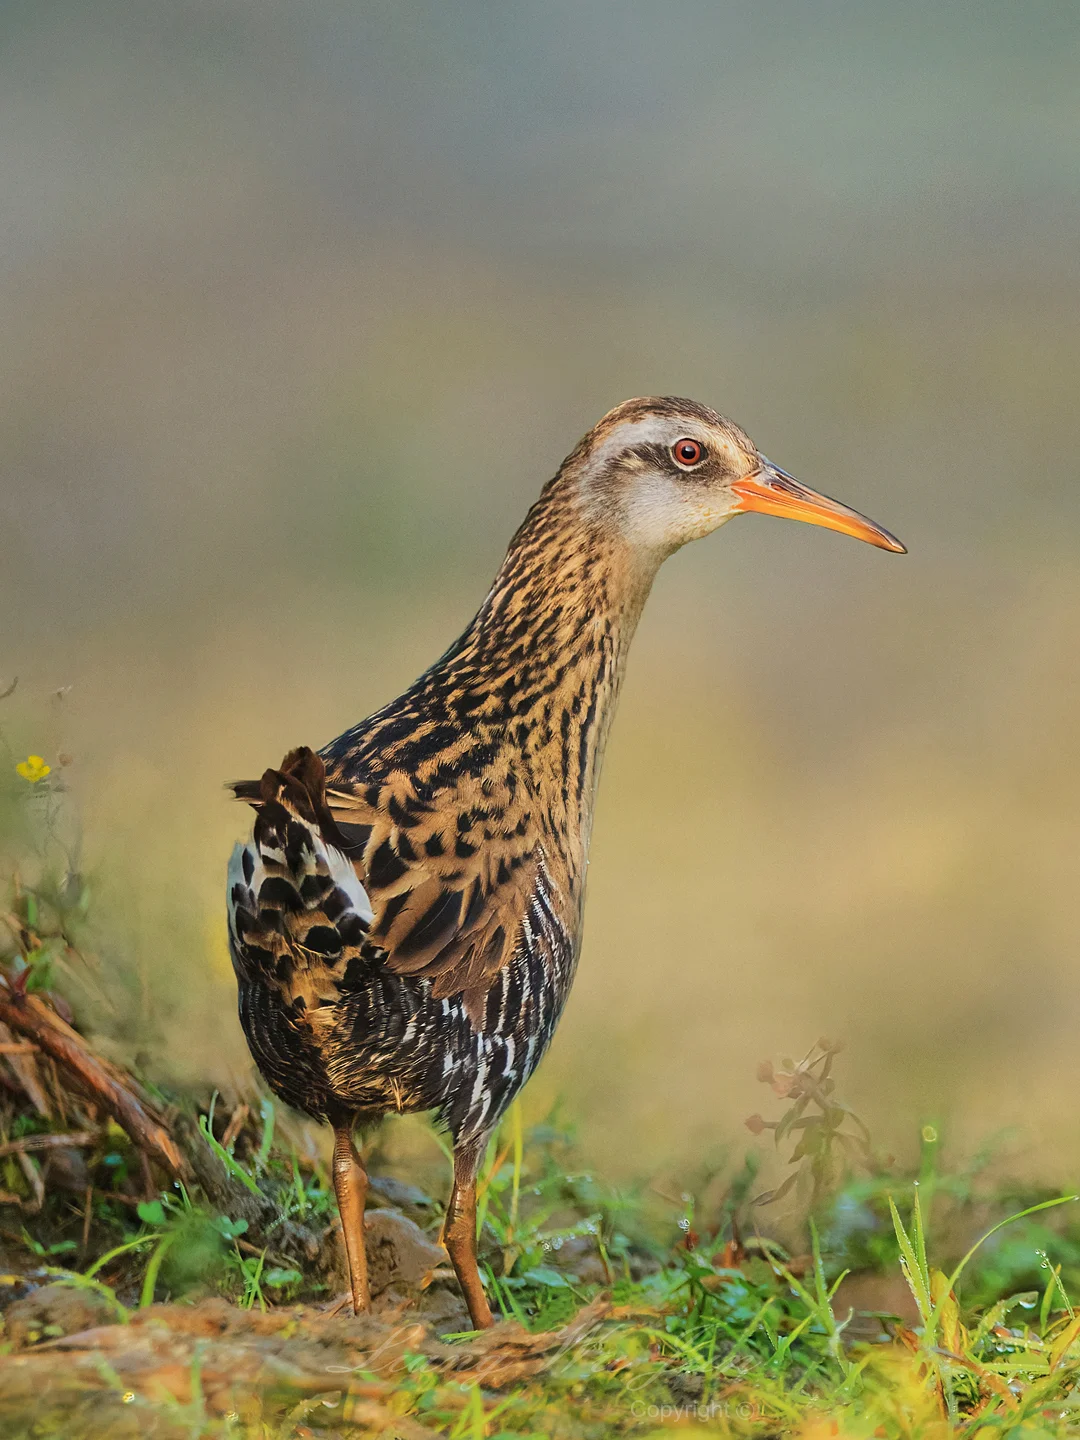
<point>772,491</point>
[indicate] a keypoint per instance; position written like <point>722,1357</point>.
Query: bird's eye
<point>686,452</point>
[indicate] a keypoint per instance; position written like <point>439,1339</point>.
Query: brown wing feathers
<point>450,875</point>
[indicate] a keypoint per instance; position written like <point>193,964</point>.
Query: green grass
<point>668,1315</point>
<point>694,1329</point>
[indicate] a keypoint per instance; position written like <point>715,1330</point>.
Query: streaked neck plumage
<point>526,695</point>
<point>546,652</point>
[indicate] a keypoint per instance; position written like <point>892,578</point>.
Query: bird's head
<point>665,471</point>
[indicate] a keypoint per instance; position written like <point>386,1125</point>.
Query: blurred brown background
<point>302,304</point>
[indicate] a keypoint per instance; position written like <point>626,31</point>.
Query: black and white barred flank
<point>335,1031</point>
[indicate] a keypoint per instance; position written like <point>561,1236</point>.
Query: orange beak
<point>772,491</point>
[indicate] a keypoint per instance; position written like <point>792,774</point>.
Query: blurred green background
<point>301,304</point>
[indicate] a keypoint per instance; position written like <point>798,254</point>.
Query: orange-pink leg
<point>350,1187</point>
<point>459,1233</point>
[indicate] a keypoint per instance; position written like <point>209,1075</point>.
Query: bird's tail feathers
<point>294,894</point>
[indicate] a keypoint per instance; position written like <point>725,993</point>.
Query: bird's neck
<point>539,668</point>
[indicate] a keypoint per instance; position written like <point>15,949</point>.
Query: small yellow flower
<point>33,768</point>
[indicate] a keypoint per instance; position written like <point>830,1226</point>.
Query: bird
<point>406,916</point>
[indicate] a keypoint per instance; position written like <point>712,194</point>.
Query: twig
<point>58,1092</point>
<point>149,1188</point>
<point>24,1068</point>
<point>88,1215</point>
<point>33,1177</point>
<point>236,1123</point>
<point>48,1142</point>
<point>249,1249</point>
<point>30,1016</point>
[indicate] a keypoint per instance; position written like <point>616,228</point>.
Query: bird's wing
<point>450,870</point>
<point>450,875</point>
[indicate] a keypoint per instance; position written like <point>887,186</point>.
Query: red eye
<point>686,452</point>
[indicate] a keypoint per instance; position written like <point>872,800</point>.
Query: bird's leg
<point>350,1187</point>
<point>459,1231</point>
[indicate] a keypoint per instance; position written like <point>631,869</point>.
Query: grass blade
<point>918,1281</point>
